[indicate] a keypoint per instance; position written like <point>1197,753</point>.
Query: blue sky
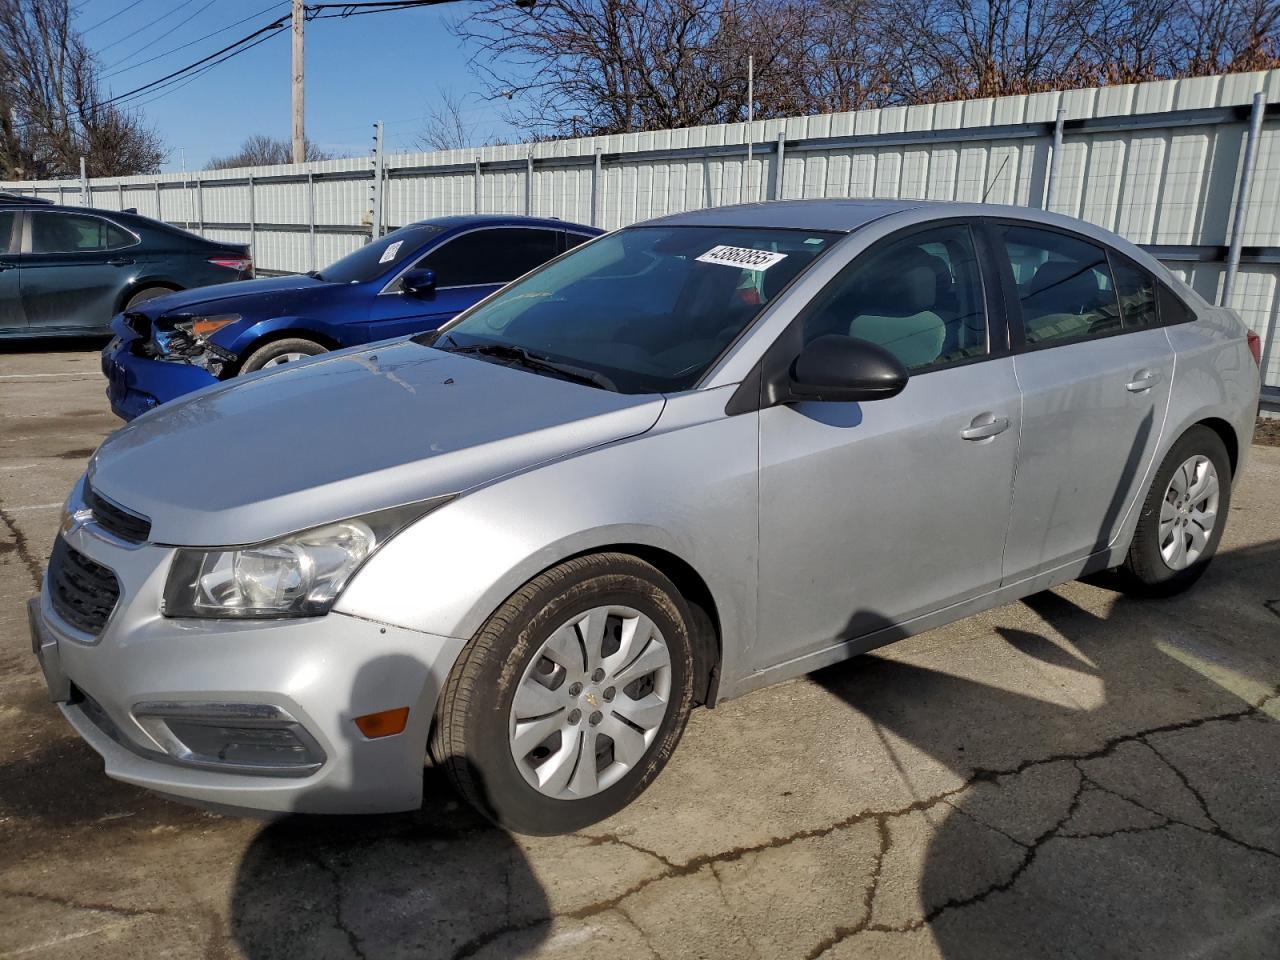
<point>388,66</point>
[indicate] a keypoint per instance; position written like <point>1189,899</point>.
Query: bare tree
<point>52,111</point>
<point>1230,35</point>
<point>260,150</point>
<point>607,66</point>
<point>446,126</point>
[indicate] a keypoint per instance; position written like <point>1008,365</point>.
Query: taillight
<point>1255,347</point>
<point>238,264</point>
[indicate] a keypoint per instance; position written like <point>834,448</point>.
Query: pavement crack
<point>70,903</point>
<point>840,934</point>
<point>673,869</point>
<point>35,571</point>
<point>336,876</point>
<point>1200,800</point>
<point>597,840</point>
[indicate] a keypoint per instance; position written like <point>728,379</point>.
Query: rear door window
<point>1172,309</point>
<point>1064,286</point>
<point>75,233</point>
<point>489,256</point>
<point>8,219</point>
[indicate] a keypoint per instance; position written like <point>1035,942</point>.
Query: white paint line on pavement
<point>80,935</point>
<point>34,507</point>
<point>47,376</point>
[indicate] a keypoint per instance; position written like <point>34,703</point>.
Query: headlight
<point>299,575</point>
<point>202,328</point>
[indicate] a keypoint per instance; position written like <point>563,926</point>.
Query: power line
<point>175,85</point>
<point>159,19</point>
<point>189,43</point>
<point>274,26</point>
<point>110,18</point>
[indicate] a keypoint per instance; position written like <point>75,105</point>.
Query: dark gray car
<point>69,270</point>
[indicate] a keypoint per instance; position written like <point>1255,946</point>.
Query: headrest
<point>905,285</point>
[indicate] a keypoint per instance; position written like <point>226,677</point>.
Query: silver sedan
<point>687,459</point>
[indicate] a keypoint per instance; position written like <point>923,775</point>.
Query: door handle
<point>120,262</point>
<point>985,426</point>
<point>1142,380</point>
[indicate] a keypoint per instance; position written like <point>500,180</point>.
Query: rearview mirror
<point>840,369</point>
<point>419,283</point>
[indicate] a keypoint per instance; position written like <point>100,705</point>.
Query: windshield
<point>648,308</point>
<point>374,259</point>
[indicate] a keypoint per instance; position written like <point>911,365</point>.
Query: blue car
<point>410,281</point>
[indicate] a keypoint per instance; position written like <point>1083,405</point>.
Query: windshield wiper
<point>533,361</point>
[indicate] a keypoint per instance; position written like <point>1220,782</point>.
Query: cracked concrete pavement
<point>1078,775</point>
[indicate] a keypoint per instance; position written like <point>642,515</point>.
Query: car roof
<point>843,216</point>
<point>847,215</point>
<point>507,220</point>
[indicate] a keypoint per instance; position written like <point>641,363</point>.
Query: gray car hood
<point>346,434</point>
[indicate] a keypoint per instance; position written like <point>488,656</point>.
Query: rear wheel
<point>568,702</point>
<point>281,351</point>
<point>1182,518</point>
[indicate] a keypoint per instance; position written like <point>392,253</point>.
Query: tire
<point>145,294</point>
<point>474,732</point>
<point>1147,566</point>
<point>277,351</point>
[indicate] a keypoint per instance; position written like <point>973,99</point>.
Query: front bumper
<point>320,672</point>
<point>137,384</point>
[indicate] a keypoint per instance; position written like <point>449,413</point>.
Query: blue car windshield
<point>374,259</point>
<point>643,310</point>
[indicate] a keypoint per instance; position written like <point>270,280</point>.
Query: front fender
<point>687,487</point>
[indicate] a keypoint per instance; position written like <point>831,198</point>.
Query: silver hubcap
<point>1189,512</point>
<point>285,358</point>
<point>590,703</point>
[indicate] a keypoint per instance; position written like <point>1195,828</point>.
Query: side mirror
<point>840,369</point>
<point>419,283</point>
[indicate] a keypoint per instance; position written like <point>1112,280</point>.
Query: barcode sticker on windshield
<point>389,254</point>
<point>742,257</point>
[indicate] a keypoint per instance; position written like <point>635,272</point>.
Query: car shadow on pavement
<point>438,882</point>
<point>1120,803</point>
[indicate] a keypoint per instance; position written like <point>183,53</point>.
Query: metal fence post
<point>777,173</point>
<point>119,196</point>
<point>159,213</point>
<point>60,197</point>
<point>253,225</point>
<point>528,185</point>
<point>475,199</point>
<point>1055,160</point>
<point>595,190</point>
<point>311,215</point>
<point>86,192</point>
<point>200,204</point>
<point>1242,194</point>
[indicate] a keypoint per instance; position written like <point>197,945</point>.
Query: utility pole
<point>299,129</point>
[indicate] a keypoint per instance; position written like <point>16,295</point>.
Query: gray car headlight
<point>299,575</point>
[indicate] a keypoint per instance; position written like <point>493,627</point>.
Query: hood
<point>345,434</point>
<point>266,296</point>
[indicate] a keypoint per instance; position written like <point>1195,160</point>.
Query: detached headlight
<point>299,575</point>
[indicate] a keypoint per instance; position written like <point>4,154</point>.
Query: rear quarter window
<point>1172,307</point>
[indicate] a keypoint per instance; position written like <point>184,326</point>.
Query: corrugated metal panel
<point>1154,183</point>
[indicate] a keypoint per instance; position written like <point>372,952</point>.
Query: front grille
<point>83,592</point>
<point>117,520</point>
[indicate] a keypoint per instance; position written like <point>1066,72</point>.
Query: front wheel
<point>569,701</point>
<point>281,351</point>
<point>1182,518</point>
